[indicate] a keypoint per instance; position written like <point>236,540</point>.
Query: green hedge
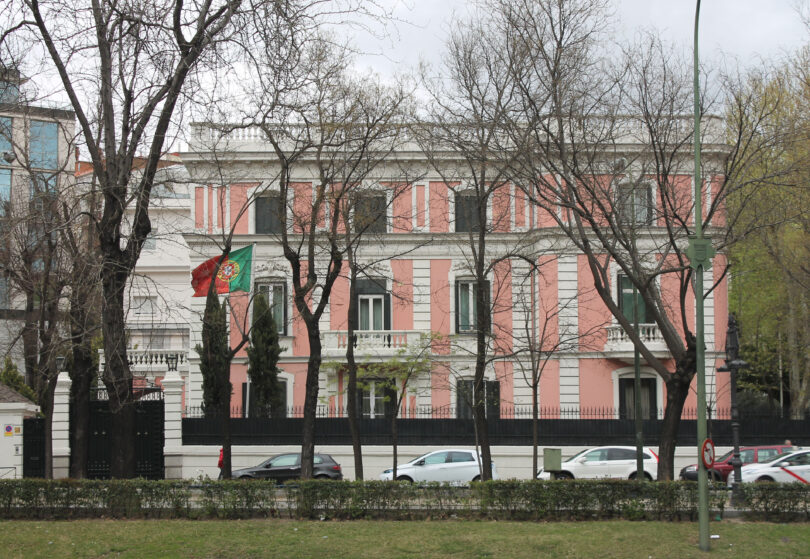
<point>506,500</point>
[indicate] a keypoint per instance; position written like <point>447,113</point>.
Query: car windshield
<point>578,454</point>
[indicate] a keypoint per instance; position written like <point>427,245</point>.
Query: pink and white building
<point>422,284</point>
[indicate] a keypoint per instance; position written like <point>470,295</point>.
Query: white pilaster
<point>173,424</point>
<point>60,429</point>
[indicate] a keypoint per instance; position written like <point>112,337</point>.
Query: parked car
<point>748,454</point>
<point>284,467</point>
<point>605,462</point>
<point>456,465</point>
<point>785,468</point>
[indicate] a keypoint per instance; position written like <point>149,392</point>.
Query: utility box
<point>552,459</point>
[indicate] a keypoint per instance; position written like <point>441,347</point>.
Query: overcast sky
<point>748,29</point>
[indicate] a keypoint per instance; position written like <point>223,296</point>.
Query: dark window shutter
<point>493,399</point>
<point>456,313</point>
<point>268,215</point>
<point>390,401</point>
<point>464,399</point>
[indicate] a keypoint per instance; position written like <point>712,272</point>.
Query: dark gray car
<point>283,467</point>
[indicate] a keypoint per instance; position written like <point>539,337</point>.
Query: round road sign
<point>707,453</point>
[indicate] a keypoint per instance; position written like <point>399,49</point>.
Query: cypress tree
<point>215,358</point>
<point>263,355</point>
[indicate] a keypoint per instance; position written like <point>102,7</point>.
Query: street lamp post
<point>733,365</point>
<point>700,254</point>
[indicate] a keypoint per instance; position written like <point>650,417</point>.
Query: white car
<point>785,468</point>
<point>456,465</point>
<point>605,462</point>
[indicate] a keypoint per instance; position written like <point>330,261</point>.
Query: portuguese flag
<point>234,273</point>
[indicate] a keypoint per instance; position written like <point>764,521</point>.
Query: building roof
<point>10,396</point>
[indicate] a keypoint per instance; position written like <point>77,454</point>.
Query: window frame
<point>5,191</point>
<point>6,135</point>
<point>628,290</point>
<point>471,327</point>
<point>492,398</point>
<point>45,157</point>
<point>624,191</point>
<point>265,286</point>
<point>270,226</point>
<point>380,224</point>
<point>376,392</point>
<point>466,218</point>
<point>137,309</point>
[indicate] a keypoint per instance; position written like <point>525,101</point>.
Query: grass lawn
<point>423,539</point>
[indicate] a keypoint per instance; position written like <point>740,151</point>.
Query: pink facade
<point>426,287</point>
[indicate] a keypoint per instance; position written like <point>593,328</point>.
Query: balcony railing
<point>383,342</point>
<point>150,359</point>
<point>619,342</point>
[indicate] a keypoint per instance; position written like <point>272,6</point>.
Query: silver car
<point>454,465</point>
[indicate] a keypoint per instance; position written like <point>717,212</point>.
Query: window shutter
<point>390,401</point>
<point>493,399</point>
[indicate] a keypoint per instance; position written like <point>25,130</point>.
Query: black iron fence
<point>507,432</point>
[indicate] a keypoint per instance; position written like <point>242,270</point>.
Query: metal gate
<point>34,447</point>
<point>148,438</point>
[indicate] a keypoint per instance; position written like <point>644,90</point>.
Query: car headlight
<point>388,471</point>
<point>691,468</point>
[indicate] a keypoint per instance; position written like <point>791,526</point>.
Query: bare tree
<point>462,138</point>
<point>124,69</point>
<point>606,152</point>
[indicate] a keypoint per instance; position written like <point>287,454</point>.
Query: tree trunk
<point>351,368</point>
<point>535,432</point>
<point>677,391</point>
<point>81,377</point>
<point>117,376</point>
<point>310,401</point>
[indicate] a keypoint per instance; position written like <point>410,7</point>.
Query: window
<point>457,456</point>
<point>269,210</point>
<point>373,305</point>
<point>9,92</point>
<point>5,136</point>
<point>649,398</point>
<point>626,302</point>
<point>599,455</point>
<point>5,191</point>
<point>438,458</point>
<point>377,399</point>
<point>43,192</point>
<point>466,212</point>
<point>150,242</point>
<point>144,306</point>
<point>465,399</point>
<point>369,213</point>
<point>467,306</point>
<point>371,312</point>
<point>276,295</point>
<point>4,297</point>
<point>249,408</point>
<point>634,203</point>
<point>43,145</point>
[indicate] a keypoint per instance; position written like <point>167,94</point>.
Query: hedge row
<point>518,500</point>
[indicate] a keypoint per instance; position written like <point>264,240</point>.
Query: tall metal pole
<point>637,361</point>
<point>700,253</point>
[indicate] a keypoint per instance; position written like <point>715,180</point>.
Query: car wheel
<point>405,478</point>
<point>714,475</point>
<point>245,477</point>
<point>765,479</point>
<point>322,476</point>
<point>563,476</point>
<point>477,478</point>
